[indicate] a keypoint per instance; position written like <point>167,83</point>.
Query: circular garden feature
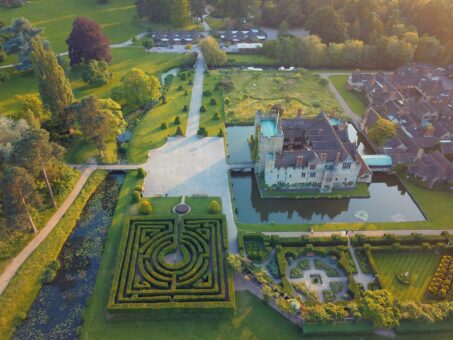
<point>181,209</point>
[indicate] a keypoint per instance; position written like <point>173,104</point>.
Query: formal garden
<point>172,264</point>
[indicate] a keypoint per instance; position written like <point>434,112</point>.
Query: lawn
<point>207,119</point>
<point>255,90</point>
<point>18,296</point>
<point>354,100</point>
<point>421,265</point>
<point>239,59</point>
<point>148,133</point>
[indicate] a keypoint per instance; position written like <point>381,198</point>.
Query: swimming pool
<point>268,128</point>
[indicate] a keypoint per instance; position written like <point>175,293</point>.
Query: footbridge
<point>242,167</point>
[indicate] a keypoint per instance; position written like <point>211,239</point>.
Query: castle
<point>306,154</point>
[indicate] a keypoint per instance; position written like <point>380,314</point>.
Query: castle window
<point>347,165</point>
<point>313,174</point>
<point>303,174</point>
<point>312,166</point>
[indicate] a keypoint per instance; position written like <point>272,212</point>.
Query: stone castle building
<point>307,154</point>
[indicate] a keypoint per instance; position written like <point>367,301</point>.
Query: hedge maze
<point>172,264</point>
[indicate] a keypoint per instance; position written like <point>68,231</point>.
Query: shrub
<point>216,116</point>
<point>185,108</point>
<point>227,101</point>
<point>180,88</point>
<point>221,133</point>
<point>163,126</point>
<point>179,131</point>
<point>50,272</point>
<point>323,82</point>
<point>203,108</point>
<point>136,197</point>
<point>202,132</point>
<point>186,93</point>
<point>214,207</point>
<point>177,120</point>
<point>145,208</point>
<point>207,93</point>
<point>141,173</point>
<point>213,102</point>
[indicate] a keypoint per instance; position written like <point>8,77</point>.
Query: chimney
<point>323,157</point>
<point>337,159</point>
<point>420,153</point>
<point>299,161</point>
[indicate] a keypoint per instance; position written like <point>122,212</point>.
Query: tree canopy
<point>379,307</point>
<point>213,54</point>
<point>382,131</point>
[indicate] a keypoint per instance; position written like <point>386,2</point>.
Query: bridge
<point>243,167</point>
<point>378,163</point>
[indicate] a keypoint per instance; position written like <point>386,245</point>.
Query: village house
<point>307,154</point>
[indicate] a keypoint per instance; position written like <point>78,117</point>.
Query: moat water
<point>57,311</point>
<point>388,201</point>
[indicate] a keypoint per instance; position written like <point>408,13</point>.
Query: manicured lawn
<point>148,134</point>
<point>21,292</point>
<point>354,101</point>
<point>200,205</point>
<point>207,119</point>
<point>255,90</point>
<point>421,265</point>
<point>55,17</point>
<point>251,60</point>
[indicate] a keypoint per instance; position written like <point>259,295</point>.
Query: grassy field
<point>207,119</point>
<point>354,101</point>
<point>261,90</point>
<point>21,292</point>
<point>236,59</point>
<point>421,266</point>
<point>148,134</point>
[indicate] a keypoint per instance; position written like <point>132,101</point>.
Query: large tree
<point>179,13</point>
<point>100,120</point>
<point>54,87</point>
<point>382,131</point>
<point>87,42</point>
<point>326,23</point>
<point>197,9</point>
<point>18,191</point>
<point>32,109</point>
<point>379,307</point>
<point>137,88</point>
<point>35,152</point>
<point>11,131</point>
<point>213,54</point>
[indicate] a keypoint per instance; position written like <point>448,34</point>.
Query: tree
<point>148,43</point>
<point>100,120</point>
<point>137,88</point>
<point>97,73</point>
<point>87,42</point>
<point>11,131</point>
<point>326,23</point>
<point>429,49</point>
<point>212,53</point>
<point>197,9</point>
<point>34,152</point>
<point>372,28</point>
<point>434,18</point>
<point>179,12</point>
<point>379,307</point>
<point>18,193</point>
<point>283,29</point>
<point>54,87</point>
<point>382,131</point>
<point>32,109</point>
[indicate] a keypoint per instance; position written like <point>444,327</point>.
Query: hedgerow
<point>147,278</point>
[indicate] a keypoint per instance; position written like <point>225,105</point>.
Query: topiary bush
<point>185,108</point>
<point>202,132</point>
<point>145,208</point>
<point>221,133</point>
<point>141,173</point>
<point>213,102</point>
<point>203,108</point>
<point>179,131</point>
<point>177,120</point>
<point>214,207</point>
<point>163,126</point>
<point>136,197</point>
<point>216,116</point>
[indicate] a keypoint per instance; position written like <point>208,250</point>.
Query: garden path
<point>360,277</point>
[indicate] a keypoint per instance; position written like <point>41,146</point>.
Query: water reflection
<point>388,202</point>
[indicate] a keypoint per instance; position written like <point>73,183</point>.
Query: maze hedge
<point>172,265</point>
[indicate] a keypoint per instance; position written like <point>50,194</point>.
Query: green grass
<point>200,205</point>
<point>355,102</point>
<point>261,90</point>
<point>336,328</point>
<point>216,24</point>
<point>148,134</point>
<point>55,17</point>
<point>421,265</point>
<point>25,285</point>
<point>207,118</point>
<point>251,60</point>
